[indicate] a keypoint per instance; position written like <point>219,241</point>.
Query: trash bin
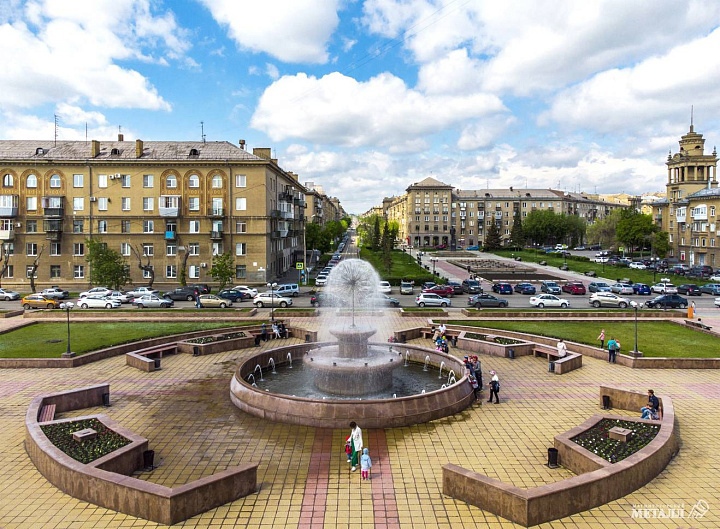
<point>106,399</point>
<point>551,367</point>
<point>157,363</point>
<point>196,350</point>
<point>606,402</point>
<point>307,338</point>
<point>511,354</point>
<point>403,338</point>
<point>552,458</point>
<point>453,339</point>
<point>149,459</point>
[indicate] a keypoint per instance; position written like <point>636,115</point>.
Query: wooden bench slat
<point>47,413</point>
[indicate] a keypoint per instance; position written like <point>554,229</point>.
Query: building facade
<point>689,212</point>
<point>170,205</point>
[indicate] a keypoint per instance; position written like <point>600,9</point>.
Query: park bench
<point>698,324</point>
<point>148,359</point>
<point>569,362</point>
<point>47,413</point>
<point>428,333</point>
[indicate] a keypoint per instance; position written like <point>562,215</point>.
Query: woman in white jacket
<point>356,445</point>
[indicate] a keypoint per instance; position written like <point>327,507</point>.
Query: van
<point>290,289</point>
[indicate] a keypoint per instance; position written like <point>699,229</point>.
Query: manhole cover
<point>54,341</point>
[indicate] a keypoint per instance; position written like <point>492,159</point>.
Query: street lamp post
<point>67,307</point>
<point>634,305</point>
<point>272,301</point>
<point>433,260</point>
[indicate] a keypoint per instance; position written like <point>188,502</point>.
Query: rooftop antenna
<point>86,132</point>
<point>202,131</point>
<point>56,127</point>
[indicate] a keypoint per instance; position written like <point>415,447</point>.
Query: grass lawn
<point>403,266</point>
<point>655,338</point>
<point>49,340</point>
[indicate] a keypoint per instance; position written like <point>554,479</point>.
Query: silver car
<point>266,299</point>
<point>9,295</point>
<point>151,301</point>
<point>608,299</point>
<point>427,299</point>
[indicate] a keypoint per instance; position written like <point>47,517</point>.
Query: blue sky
<point>365,97</point>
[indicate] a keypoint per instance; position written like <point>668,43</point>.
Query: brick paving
<point>185,411</point>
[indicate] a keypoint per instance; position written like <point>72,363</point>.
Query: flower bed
<point>217,343</point>
<point>495,339</point>
<point>87,451</point>
<point>217,337</point>
<point>597,441</point>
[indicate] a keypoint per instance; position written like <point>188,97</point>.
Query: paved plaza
<point>304,481</point>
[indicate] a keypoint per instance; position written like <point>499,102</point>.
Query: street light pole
<point>433,260</point>
<point>67,307</point>
<point>634,305</point>
<point>272,301</point>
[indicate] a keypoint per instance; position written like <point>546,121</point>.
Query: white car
<point>385,287</point>
<point>97,301</point>
<point>103,291</point>
<point>120,296</point>
<point>664,288</point>
<point>622,288</point>
<point>637,265</point>
<point>716,277</point>
<point>143,291</point>
<point>717,302</point>
<point>608,299</point>
<point>321,280</point>
<point>271,300</point>
<point>548,300</point>
<point>431,300</point>
<point>9,295</point>
<point>249,291</point>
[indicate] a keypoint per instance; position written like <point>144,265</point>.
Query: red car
<point>441,290</point>
<point>574,288</point>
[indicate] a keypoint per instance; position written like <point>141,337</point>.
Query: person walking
<point>601,337</point>
<point>365,464</point>
<point>612,350</point>
<point>356,445</point>
<point>494,387</point>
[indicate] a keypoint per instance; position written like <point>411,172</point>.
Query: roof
<point>706,192</point>
<point>429,182</point>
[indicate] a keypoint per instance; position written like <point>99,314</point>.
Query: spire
<point>691,118</point>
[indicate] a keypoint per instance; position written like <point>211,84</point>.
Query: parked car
<point>203,288</point>
<point>502,288</point>
<point>271,300</point>
<point>122,297</point>
<point>9,295</point>
<point>38,301</point>
<point>406,287</point>
<point>55,292</point>
<point>608,299</point>
<point>456,286</point>
<point>233,295</point>
<point>637,265</point>
<point>679,269</point>
<point>641,289</point>
<point>98,301</point>
<point>471,286</point>
<point>548,300</point>
<point>384,299</point>
<point>550,287</point>
<point>622,288</point>
<point>574,287</point>
<point>249,292</point>
<point>385,287</point>
<point>430,299</point>
<point>689,290</point>
<point>486,300</point>
<point>151,301</point>
<point>717,302</point>
<point>181,294</point>
<point>710,288</point>
<point>104,291</point>
<point>326,299</point>
<point>288,290</point>
<point>599,286</point>
<point>142,291</point>
<point>664,288</point>
<point>428,284</point>
<point>667,301</point>
<point>525,288</point>
<point>213,301</point>
<point>321,280</point>
<point>601,259</point>
<point>441,290</point>
<point>473,248</point>
<point>715,277</point>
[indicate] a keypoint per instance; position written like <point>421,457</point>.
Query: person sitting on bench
<point>651,410</point>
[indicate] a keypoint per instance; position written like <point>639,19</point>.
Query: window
<point>240,272</point>
<point>240,204</point>
<point>194,272</point>
<point>125,249</point>
<point>125,180</point>
<point>171,271</point>
<point>194,248</point>
<point>240,248</point>
<point>124,226</point>
<point>10,272</point>
<point>712,211</point>
<point>78,180</point>
<point>240,180</point>
<point>148,226</point>
<point>78,203</point>
<point>148,249</point>
<point>79,271</point>
<point>55,271</point>
<point>148,180</point>
<point>31,226</point>
<point>194,204</point>
<point>31,249</point>
<point>31,203</point>
<point>78,226</point>
<point>217,182</point>
<point>217,248</point>
<point>54,248</point>
<point>171,181</point>
<point>194,181</point>
<point>194,226</point>
<point>102,203</point>
<point>147,274</point>
<point>102,226</point>
<point>55,181</point>
<point>240,227</point>
<point>171,249</point>
<point>125,203</point>
<point>148,203</point>
<point>8,180</point>
<point>31,181</point>
<point>102,180</point>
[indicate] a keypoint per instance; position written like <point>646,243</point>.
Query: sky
<point>366,97</point>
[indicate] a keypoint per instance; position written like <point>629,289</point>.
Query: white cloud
<point>289,30</point>
<point>73,115</point>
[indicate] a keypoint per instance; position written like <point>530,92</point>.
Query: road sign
<point>299,265</point>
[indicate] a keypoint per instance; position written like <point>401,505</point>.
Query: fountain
<point>348,377</point>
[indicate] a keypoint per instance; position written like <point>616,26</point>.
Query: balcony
<point>169,206</point>
<point>274,213</point>
<point>52,226</point>
<point>284,233</point>
<point>498,215</point>
<point>7,235</point>
<point>481,215</point>
<point>285,197</point>
<point>287,215</point>
<point>299,202</point>
<point>216,212</point>
<point>9,205</point>
<point>170,235</point>
<point>275,234</point>
<point>53,235</point>
<point>54,212</point>
<point>216,235</point>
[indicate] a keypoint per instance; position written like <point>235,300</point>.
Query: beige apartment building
<point>689,212</point>
<point>172,205</point>
<point>432,213</point>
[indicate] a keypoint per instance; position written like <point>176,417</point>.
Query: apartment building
<point>169,205</point>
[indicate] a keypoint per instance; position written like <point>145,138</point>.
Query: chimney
<point>242,144</point>
<point>94,149</point>
<point>121,137</point>
<point>138,148</point>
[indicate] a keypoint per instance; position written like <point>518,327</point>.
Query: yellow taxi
<point>38,301</point>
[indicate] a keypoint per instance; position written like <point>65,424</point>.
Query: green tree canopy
<point>517,234</point>
<point>493,240</point>
<point>223,269</point>
<point>107,267</point>
<point>602,232</point>
<point>634,228</point>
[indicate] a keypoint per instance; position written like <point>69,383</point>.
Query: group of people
<point>277,329</point>
<point>613,346</point>
<point>440,339</point>
<point>353,448</point>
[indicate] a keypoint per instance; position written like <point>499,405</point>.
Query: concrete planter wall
<point>492,348</point>
<point>140,314</point>
<point>216,346</point>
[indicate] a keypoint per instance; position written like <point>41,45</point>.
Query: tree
<point>660,242</point>
<point>147,268</point>
<point>386,247</point>
<point>375,242</point>
<point>603,231</point>
<point>107,267</point>
<point>517,235</point>
<point>5,249</point>
<point>493,240</point>
<point>634,227</point>
<point>33,268</point>
<point>575,228</point>
<point>223,269</point>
